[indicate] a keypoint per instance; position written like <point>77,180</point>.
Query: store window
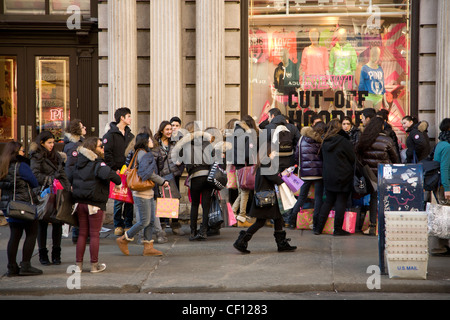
<point>329,57</point>
<point>52,95</point>
<point>42,7</point>
<point>8,98</point>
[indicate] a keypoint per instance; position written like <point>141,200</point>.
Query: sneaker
<point>119,231</point>
<point>98,267</point>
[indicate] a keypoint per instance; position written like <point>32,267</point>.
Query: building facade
<point>216,60</point>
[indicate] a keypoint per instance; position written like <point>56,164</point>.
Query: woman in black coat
<point>91,179</point>
<point>265,180</point>
<point>338,170</point>
<point>47,163</point>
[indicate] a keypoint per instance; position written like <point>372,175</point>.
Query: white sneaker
<point>98,267</point>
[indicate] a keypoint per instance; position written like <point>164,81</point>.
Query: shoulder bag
<point>21,210</point>
<point>134,182</point>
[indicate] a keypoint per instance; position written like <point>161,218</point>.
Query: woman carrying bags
<point>267,177</point>
<point>144,199</point>
<point>13,154</point>
<point>90,182</point>
<point>47,162</point>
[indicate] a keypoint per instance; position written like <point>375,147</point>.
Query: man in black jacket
<point>115,141</point>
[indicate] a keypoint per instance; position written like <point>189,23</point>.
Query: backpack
<point>284,138</point>
<point>431,174</point>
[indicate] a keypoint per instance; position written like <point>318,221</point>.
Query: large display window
<point>329,57</point>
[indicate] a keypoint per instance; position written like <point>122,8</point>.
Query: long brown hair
<point>9,155</point>
<point>91,144</point>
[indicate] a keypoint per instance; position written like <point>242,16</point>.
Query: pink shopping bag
<point>167,207</point>
<point>123,193</point>
<point>349,224</point>
<point>329,225</point>
<point>305,219</point>
<point>56,186</point>
<point>231,217</point>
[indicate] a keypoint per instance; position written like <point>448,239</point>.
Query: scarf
<point>445,136</point>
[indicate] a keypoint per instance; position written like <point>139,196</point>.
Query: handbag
<point>246,178</point>
<point>265,199</point>
<point>215,218</point>
<point>65,208</point>
<point>217,177</point>
<point>20,209</point>
<point>134,182</point>
<point>46,209</point>
<point>167,207</point>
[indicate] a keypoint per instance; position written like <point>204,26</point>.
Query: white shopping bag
<point>287,197</point>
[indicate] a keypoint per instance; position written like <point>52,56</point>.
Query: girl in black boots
<point>267,177</point>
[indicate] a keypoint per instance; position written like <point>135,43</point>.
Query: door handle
<point>22,134</point>
<point>30,134</point>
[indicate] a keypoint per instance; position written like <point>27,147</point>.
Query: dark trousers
<point>200,189</point>
<point>338,200</point>
<point>16,232</point>
<point>123,214</point>
<point>56,234</point>
<point>259,223</point>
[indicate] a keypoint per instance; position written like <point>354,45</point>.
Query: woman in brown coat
<point>374,148</point>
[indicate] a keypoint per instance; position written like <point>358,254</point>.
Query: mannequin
<point>315,58</point>
<point>343,57</point>
<point>372,80</point>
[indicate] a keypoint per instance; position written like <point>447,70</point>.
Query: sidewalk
<point>321,263</point>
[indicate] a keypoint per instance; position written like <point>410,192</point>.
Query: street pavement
<point>320,264</point>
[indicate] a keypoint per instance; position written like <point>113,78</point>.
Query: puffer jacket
<point>382,151</point>
<point>42,167</point>
<point>71,144</point>
<point>309,155</point>
<point>91,179</point>
<point>418,142</point>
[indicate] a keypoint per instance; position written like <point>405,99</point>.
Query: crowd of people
<point>325,154</point>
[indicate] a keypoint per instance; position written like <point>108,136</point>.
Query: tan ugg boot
<point>149,250</point>
<point>122,242</point>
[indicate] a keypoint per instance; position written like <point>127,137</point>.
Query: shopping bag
<point>305,219</point>
<point>280,203</point>
<point>215,218</point>
<point>167,207</point>
<point>122,193</point>
<point>293,182</point>
<point>329,225</point>
<point>65,208</point>
<point>438,220</point>
<point>349,224</point>
<point>231,217</point>
<point>232,179</point>
<point>287,197</point>
<point>57,186</point>
<point>246,178</point>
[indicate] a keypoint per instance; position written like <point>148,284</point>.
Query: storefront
<point>48,67</point>
<point>333,58</point>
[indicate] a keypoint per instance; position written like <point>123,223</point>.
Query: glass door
<point>8,98</point>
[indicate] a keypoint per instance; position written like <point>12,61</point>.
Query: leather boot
<point>43,257</point>
<point>27,270</point>
<point>13,270</point>
<point>149,250</point>
<point>242,241</point>
<point>122,242</point>
<point>56,255</point>
<point>282,242</point>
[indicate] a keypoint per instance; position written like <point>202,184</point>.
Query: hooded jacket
<point>338,163</point>
<point>115,144</point>
<point>309,155</point>
<point>418,142</point>
<point>91,179</point>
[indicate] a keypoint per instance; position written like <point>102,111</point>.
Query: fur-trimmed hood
<point>91,155</point>
<point>310,133</point>
<point>69,137</point>
<point>34,150</point>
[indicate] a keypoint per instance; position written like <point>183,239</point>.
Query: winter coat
<point>442,155</point>
<point>309,155</point>
<point>354,135</point>
<point>245,145</point>
<point>164,161</point>
<point>285,161</point>
<point>71,144</point>
<point>265,183</point>
<point>25,182</point>
<point>338,163</point>
<point>382,151</point>
<point>115,144</point>
<point>91,179</point>
<point>418,142</point>
<point>43,167</point>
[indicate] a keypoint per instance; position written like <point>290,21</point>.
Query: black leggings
<point>56,234</point>
<point>259,223</point>
<point>16,232</point>
<point>200,187</point>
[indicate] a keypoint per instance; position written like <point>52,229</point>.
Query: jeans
<point>318,200</point>
<point>145,218</point>
<point>88,224</point>
<point>123,218</point>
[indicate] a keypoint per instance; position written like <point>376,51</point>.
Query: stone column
<point>122,58</point>
<point>210,61</point>
<point>165,61</point>
<point>443,63</point>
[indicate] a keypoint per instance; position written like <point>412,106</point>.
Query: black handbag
<point>359,181</point>
<point>266,198</point>
<point>66,212</point>
<point>20,209</point>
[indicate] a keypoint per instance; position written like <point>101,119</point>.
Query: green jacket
<point>442,155</point>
